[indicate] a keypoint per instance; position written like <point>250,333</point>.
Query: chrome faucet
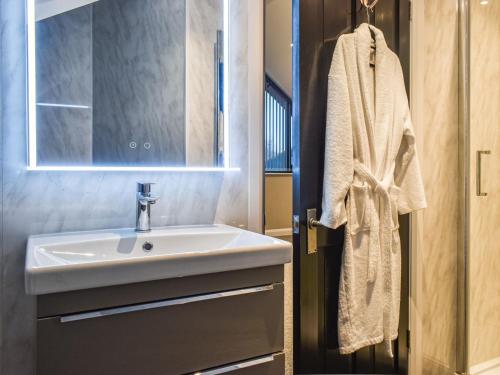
<point>144,202</point>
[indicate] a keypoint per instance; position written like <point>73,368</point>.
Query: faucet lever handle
<point>144,187</point>
<point>148,199</point>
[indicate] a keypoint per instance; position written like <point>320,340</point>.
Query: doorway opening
<point>278,198</point>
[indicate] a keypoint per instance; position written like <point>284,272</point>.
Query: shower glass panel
<point>483,193</point>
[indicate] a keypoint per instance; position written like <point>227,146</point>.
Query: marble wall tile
<point>64,77</point>
<point>64,58</point>
<point>484,232</point>
<point>440,169</point>
<point>41,202</point>
<point>64,136</point>
<point>203,19</point>
<point>139,82</point>
<point>238,111</point>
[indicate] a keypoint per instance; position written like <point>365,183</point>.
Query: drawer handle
<point>237,366</point>
<point>164,303</point>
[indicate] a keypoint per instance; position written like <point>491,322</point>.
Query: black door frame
<point>315,27</point>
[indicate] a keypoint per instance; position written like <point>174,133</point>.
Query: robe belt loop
<point>381,188</point>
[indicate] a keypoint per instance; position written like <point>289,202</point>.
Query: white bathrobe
<point>371,175</point>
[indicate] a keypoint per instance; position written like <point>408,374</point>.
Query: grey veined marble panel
<point>64,80</point>
<point>66,136</point>
<point>64,58</point>
<point>139,82</point>
<point>204,19</point>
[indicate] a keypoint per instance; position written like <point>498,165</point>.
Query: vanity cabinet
<point>222,323</point>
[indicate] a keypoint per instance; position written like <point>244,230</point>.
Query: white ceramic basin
<point>81,260</point>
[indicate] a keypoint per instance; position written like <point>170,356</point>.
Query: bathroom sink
<point>81,260</point>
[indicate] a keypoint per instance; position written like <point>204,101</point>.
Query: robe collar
<point>379,115</point>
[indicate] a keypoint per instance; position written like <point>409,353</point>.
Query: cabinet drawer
<point>165,337</point>
<point>273,364</point>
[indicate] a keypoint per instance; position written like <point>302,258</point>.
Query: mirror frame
<point>32,164</point>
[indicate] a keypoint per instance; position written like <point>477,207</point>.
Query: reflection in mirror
<point>127,83</point>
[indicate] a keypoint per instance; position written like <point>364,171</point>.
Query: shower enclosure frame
<point>462,330</point>
<point>417,239</point>
<point>466,155</point>
<point>463,269</point>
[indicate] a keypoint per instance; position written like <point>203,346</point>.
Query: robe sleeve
<point>407,173</point>
<point>339,168</point>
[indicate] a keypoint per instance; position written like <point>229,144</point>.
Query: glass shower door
<point>483,224</point>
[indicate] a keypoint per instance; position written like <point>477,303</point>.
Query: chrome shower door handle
<point>479,173</point>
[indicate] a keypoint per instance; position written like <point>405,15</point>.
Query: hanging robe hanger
<point>369,11</point>
<point>369,6</point>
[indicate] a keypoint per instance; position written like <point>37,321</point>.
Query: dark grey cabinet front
<point>175,336</point>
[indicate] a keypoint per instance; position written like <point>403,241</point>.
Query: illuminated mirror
<point>127,84</point>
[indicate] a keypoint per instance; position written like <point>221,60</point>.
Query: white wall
<point>279,201</point>
<point>49,8</point>
<point>278,43</point>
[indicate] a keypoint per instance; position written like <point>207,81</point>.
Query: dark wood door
<point>317,25</point>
